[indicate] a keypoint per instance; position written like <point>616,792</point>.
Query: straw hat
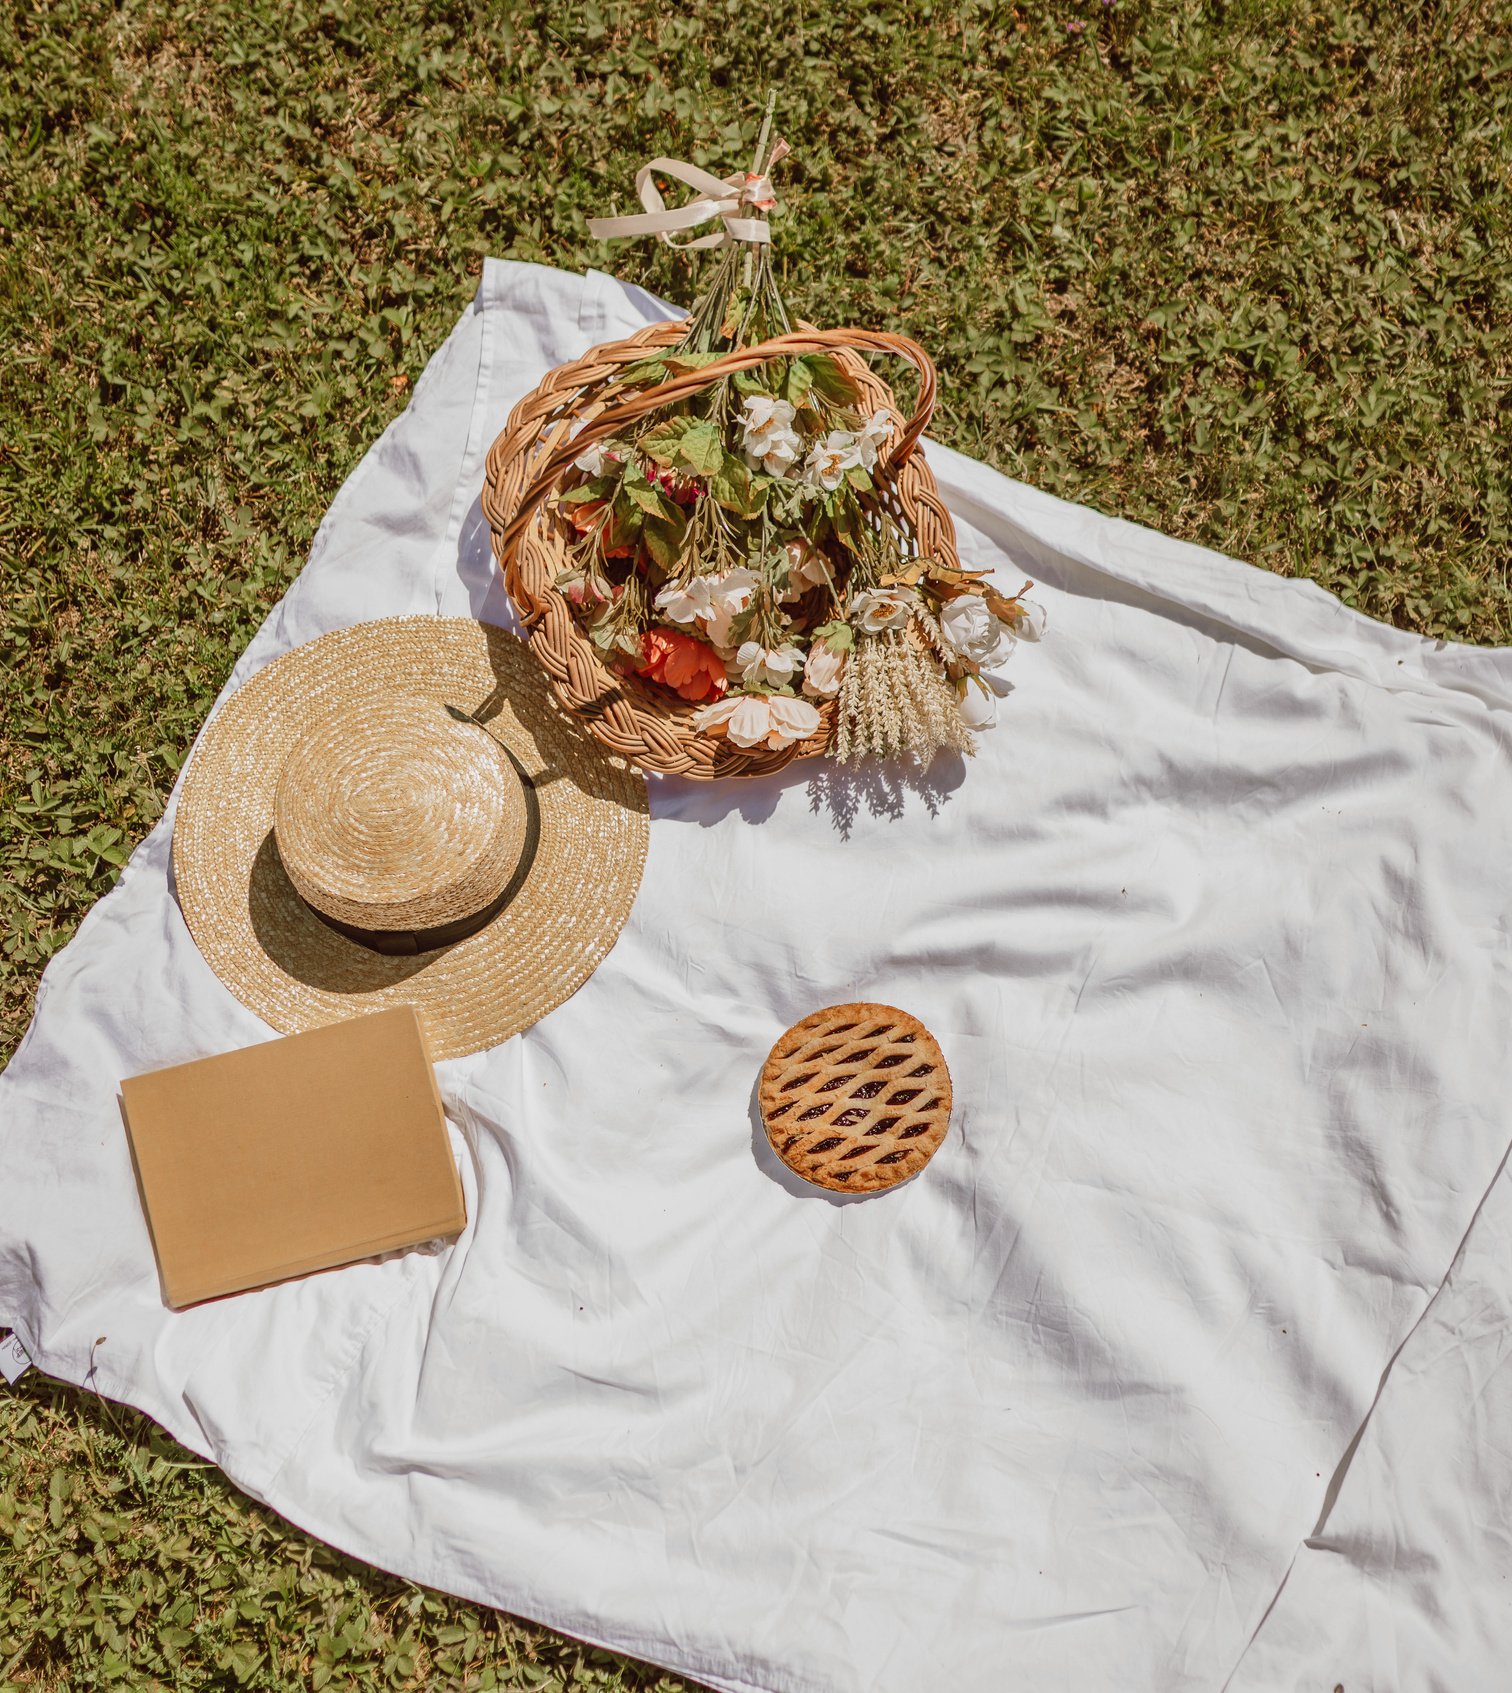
<point>399,813</point>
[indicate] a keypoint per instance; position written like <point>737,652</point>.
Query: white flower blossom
<point>973,632</point>
<point>873,433</point>
<point>791,720</point>
<point>876,609</point>
<point>593,460</point>
<point>713,602</point>
<point>774,665</point>
<point>753,720</point>
<point>782,451</point>
<point>768,438</point>
<point>830,458</point>
<point>822,672</point>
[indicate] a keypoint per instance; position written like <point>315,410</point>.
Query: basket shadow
<point>594,777</point>
<point>883,789</point>
<point>841,792</point>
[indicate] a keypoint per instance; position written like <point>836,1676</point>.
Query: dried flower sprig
<point>895,701</point>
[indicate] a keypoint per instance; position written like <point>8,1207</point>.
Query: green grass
<point>1239,271</point>
<point>125,1562</point>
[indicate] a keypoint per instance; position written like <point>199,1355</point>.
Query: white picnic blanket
<point>1214,935</point>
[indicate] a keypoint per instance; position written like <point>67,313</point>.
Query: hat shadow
<point>305,947</point>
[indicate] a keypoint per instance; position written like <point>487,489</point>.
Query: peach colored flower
<point>710,601</point>
<point>692,668</point>
<point>754,720</point>
<point>805,570</point>
<point>822,672</point>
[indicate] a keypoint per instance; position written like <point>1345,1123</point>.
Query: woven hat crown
<point>392,815</point>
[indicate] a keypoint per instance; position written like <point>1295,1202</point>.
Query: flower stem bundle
<point>738,545</point>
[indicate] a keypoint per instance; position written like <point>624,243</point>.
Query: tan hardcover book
<point>296,1155</point>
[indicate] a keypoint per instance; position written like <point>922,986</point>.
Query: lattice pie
<point>856,1097</point>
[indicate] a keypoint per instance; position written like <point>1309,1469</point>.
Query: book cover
<point>295,1155</point>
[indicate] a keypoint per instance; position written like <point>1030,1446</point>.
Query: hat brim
<point>584,853</point>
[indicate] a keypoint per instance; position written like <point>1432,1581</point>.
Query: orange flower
<point>585,515</point>
<point>690,667</point>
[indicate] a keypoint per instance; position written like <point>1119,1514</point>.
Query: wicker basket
<point>643,722</point>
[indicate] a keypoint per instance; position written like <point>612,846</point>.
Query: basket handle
<point>635,406</point>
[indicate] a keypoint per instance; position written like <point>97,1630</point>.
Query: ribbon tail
<point>719,197</point>
<point>659,220</point>
<point>704,183</point>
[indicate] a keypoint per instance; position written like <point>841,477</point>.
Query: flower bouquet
<point>724,538</point>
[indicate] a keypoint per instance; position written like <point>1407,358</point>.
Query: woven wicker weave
<point>643,722</point>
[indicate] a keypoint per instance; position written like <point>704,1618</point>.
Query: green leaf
<point>731,486</point>
<point>681,362</point>
<point>800,378</point>
<point>610,638</point>
<point>740,625</point>
<point>664,539</point>
<point>827,379</point>
<point>785,502</point>
<point>625,523</point>
<point>649,499</point>
<point>844,520</point>
<point>242,1661</point>
<point>663,444</point>
<point>644,373</point>
<point>585,491</point>
<point>702,449</point>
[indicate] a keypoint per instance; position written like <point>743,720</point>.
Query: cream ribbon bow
<point>726,198</point>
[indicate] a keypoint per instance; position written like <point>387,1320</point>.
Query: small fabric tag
<point>14,1358</point>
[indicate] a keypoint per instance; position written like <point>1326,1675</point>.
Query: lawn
<point>1237,270</point>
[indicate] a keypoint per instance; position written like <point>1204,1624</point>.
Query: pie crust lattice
<point>856,1097</point>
